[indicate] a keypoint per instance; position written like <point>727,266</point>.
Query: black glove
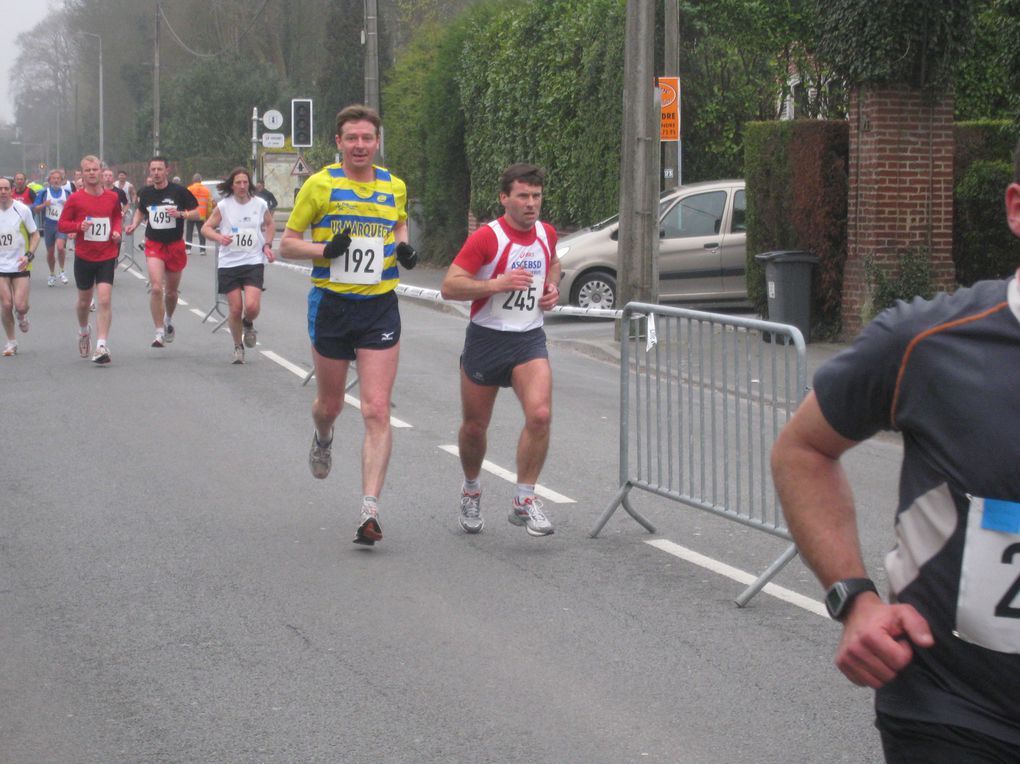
<point>338,245</point>
<point>406,255</point>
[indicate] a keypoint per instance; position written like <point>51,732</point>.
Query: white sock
<point>524,491</point>
<point>472,486</point>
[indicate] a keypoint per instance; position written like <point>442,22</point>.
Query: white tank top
<point>515,311</point>
<point>244,223</point>
<point>14,223</point>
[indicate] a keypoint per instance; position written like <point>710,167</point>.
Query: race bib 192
<point>362,263</point>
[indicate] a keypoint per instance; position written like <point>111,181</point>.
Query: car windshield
<point>663,204</point>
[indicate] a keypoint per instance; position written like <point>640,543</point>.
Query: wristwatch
<point>842,593</point>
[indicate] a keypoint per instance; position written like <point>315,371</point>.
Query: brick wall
<point>901,188</point>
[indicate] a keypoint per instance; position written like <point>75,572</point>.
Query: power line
<point>222,50</point>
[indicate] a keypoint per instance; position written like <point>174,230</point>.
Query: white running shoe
<point>238,354</point>
<point>63,278</point>
<point>11,348</point>
<point>157,342</point>
<point>369,531</point>
<point>170,333</point>
<point>85,342</point>
<point>102,355</point>
<point>529,514</point>
<point>51,280</point>
<point>250,336</point>
<point>471,512</point>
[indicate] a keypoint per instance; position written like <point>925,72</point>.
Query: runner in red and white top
<point>509,270</point>
<point>95,214</point>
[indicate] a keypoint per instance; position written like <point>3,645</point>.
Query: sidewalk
<point>598,340</point>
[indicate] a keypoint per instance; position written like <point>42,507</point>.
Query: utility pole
<point>671,68</point>
<point>155,91</point>
<point>371,54</point>
<point>102,154</point>
<point>638,248</point>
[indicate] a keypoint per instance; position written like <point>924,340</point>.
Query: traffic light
<point>301,122</point>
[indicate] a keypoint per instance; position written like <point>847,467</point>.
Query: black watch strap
<point>842,593</point>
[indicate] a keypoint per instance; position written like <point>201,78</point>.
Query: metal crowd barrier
<point>702,398</point>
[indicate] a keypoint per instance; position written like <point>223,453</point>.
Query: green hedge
<point>796,174</point>
<point>983,246</point>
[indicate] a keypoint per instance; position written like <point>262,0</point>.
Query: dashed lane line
<point>293,368</point>
<point>511,477</point>
<point>740,576</point>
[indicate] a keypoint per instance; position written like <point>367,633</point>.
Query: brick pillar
<point>901,189</point>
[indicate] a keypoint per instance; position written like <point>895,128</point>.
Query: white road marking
<point>511,477</point>
<point>291,367</point>
<point>740,576</point>
<point>298,371</point>
<point>198,313</point>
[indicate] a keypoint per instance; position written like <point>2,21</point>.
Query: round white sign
<point>272,119</point>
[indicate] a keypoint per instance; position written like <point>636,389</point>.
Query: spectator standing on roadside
<point>205,206</point>
<point>264,193</point>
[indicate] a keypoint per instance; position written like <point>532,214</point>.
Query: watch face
<point>835,599</point>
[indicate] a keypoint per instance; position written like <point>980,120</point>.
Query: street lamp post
<point>101,142</point>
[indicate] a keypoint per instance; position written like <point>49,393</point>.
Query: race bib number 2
<point>362,263</point>
<point>988,609</point>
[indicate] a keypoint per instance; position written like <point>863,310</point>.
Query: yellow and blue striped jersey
<point>330,202</point>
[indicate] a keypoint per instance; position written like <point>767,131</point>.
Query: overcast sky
<point>16,16</point>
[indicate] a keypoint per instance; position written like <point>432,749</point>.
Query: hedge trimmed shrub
<point>796,174</point>
<point>983,245</point>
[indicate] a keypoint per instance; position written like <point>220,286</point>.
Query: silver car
<point>702,249</point>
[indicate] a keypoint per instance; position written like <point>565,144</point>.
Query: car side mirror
<point>615,235</point>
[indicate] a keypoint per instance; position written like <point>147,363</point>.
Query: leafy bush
<point>796,174</point>
<point>912,279</point>
<point>983,245</point>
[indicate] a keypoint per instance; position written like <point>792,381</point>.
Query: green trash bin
<point>788,286</point>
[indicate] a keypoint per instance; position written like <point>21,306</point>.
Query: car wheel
<point>595,290</point>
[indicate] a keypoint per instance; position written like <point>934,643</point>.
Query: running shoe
<point>102,355</point>
<point>320,458</point>
<point>85,341</point>
<point>529,514</point>
<point>11,348</point>
<point>157,342</point>
<point>471,512</point>
<point>63,278</point>
<point>238,354</point>
<point>250,335</point>
<point>369,531</point>
<point>51,280</point>
<point>170,333</point>
<point>22,321</point>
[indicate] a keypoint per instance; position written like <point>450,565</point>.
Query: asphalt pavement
<point>175,587</point>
